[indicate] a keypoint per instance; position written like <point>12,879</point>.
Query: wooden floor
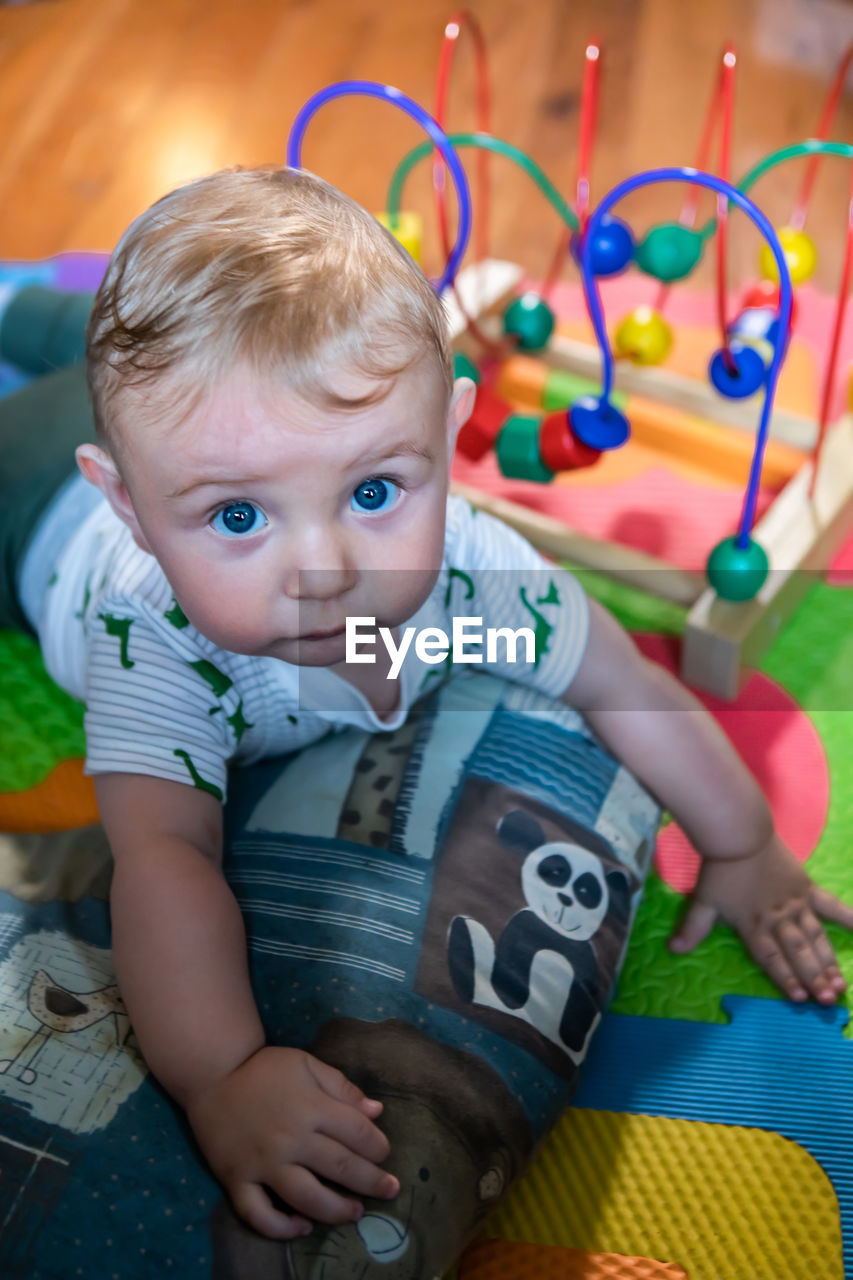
<point>106,104</point>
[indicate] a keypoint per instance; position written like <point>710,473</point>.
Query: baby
<point>275,417</point>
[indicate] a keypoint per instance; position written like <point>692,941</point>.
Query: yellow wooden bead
<point>800,255</point>
<point>643,336</point>
<point>409,231</point>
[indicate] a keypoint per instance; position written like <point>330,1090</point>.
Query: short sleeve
<point>496,575</point>
<point>156,709</point>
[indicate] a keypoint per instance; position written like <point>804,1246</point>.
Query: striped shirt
<point>163,700</point>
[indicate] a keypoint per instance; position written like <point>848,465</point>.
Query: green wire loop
<point>811,147</point>
<point>485,142</point>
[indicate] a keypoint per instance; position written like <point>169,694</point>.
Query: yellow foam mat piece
<point>723,1202</point>
<point>509,1260</point>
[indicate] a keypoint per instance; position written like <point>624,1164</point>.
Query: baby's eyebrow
<point>210,482</point>
<point>402,449</point>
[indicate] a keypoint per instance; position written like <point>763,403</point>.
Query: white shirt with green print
<point>163,700</point>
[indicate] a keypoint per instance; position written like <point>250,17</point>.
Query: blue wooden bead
<point>611,250</point>
<point>598,423</point>
<point>748,376</point>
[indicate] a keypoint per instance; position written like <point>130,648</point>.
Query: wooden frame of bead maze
<point>802,529</point>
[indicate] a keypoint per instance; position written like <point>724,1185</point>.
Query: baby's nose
<point>322,584</point>
<point>320,565</point>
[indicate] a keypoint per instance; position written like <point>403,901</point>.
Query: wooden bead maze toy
<point>753,580</point>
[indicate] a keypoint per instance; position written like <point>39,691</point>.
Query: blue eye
<point>238,518</point>
<point>374,495</point>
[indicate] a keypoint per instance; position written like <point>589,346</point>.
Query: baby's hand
<point>282,1121</point>
<point>770,900</point>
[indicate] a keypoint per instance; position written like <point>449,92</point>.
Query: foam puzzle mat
<point>712,1135</point>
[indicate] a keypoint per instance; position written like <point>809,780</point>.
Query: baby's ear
<point>100,470</point>
<point>461,406</point>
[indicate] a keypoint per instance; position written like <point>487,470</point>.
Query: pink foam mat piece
<point>781,747</point>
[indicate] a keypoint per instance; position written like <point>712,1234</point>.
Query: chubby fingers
<point>816,934</point>
<point>254,1206</point>
<point>306,1197</point>
<point>695,927</point>
<point>768,952</point>
<point>831,908</point>
<point>301,1188</point>
<point>796,953</point>
<point>340,1164</point>
<point>336,1084</point>
<point>353,1132</point>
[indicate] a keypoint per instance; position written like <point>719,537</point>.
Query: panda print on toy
<point>543,967</point>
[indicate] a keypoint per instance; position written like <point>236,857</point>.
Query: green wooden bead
<point>669,251</point>
<point>530,320</point>
<point>737,573</point>
<point>465,368</point>
<point>517,450</point>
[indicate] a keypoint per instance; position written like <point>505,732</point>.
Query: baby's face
<point>274,520</point>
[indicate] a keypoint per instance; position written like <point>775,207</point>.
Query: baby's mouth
<point>322,635</point>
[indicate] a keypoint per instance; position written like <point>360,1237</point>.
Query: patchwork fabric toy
<point>423,946</point>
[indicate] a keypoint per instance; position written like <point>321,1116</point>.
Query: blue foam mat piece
<point>778,1066</point>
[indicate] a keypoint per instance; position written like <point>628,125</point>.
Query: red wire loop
<point>824,128</point>
<point>835,343</point>
<point>586,138</point>
<point>721,106</point>
<point>452,31</point>
<point>798,221</point>
<point>588,118</point>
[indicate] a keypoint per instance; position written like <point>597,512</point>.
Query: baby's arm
<point>265,1117</point>
<point>749,877</point>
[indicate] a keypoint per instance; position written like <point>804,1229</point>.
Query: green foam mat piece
<point>812,658</point>
<point>41,725</point>
<point>636,610</point>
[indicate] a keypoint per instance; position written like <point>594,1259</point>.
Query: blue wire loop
<point>387,92</point>
<point>596,311</point>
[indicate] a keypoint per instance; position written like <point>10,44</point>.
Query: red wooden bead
<point>559,447</point>
<point>481,430</point>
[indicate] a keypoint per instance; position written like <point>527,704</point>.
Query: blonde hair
<point>271,268</point>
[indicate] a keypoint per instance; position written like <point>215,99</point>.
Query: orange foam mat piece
<point>512,1260</point>
<point>721,1201</point>
<point>65,799</point>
